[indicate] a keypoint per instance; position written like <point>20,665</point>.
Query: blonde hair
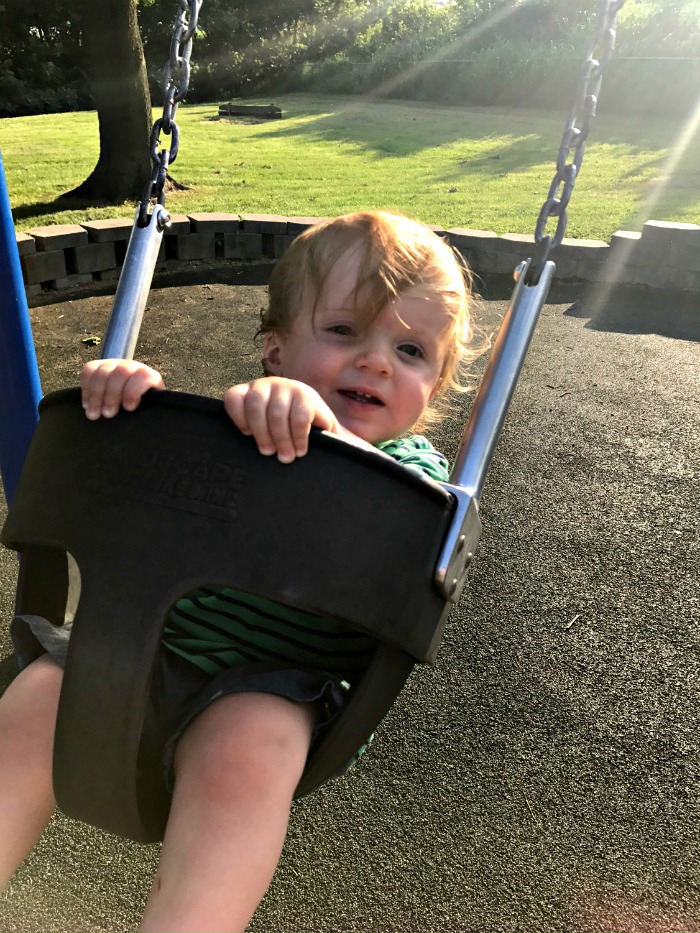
<point>396,255</point>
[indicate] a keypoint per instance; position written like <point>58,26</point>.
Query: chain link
<point>176,80</point>
<point>574,136</point>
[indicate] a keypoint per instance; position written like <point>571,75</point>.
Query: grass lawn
<point>484,168</point>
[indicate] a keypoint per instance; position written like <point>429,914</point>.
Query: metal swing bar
<point>147,233</point>
<point>534,276</point>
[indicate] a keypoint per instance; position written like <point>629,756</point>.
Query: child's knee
<point>28,712</point>
<point>240,747</point>
<point>35,691</point>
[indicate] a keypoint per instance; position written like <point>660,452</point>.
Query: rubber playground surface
<point>543,776</point>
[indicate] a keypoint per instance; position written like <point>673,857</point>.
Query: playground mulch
<point>544,774</point>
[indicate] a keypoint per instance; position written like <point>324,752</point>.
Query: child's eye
<point>410,349</point>
<point>344,330</point>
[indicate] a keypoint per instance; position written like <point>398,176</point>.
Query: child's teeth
<point>362,397</point>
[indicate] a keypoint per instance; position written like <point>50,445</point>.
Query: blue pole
<point>20,389</point>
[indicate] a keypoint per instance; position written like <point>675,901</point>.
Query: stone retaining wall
<point>663,255</point>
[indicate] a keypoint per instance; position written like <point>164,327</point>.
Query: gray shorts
<point>180,690</point>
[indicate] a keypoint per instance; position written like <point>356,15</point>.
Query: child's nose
<point>375,355</point>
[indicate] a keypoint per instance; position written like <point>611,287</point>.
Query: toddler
<point>366,331</point>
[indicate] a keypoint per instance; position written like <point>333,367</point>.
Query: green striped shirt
<point>219,628</point>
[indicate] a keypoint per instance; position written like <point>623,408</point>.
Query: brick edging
<point>663,255</point>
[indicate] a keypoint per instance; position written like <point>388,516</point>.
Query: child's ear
<point>272,355</point>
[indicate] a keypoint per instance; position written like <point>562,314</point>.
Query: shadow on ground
<point>638,311</point>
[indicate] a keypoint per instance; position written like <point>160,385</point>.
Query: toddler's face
<point>377,378</point>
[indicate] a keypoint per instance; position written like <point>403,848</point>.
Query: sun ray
<point>450,49</point>
<point>625,250</point>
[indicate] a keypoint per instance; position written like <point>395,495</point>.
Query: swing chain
<point>176,80</point>
<point>557,201</point>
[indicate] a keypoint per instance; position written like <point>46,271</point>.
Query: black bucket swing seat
<point>155,503</point>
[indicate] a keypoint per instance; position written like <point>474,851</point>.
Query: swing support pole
<point>484,426</point>
<point>134,286</point>
<point>532,280</point>
<point>491,404</point>
<point>20,388</point>
<point>147,234</point>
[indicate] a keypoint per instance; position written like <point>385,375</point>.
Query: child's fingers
<point>301,417</point>
<point>279,414</point>
<point>288,421</point>
<point>267,410</point>
<point>247,405</point>
<point>93,382</point>
<point>234,403</point>
<point>262,408</point>
<point>323,417</point>
<point>137,384</point>
<point>109,384</point>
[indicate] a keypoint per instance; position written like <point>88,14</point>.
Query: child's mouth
<point>363,397</point>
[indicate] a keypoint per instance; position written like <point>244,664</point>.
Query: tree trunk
<point>114,62</point>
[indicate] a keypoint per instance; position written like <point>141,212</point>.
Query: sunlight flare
<point>646,209</point>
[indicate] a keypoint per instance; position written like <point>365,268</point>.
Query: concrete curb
<point>663,255</point>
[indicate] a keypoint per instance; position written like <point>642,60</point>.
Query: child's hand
<point>108,385</point>
<point>279,413</point>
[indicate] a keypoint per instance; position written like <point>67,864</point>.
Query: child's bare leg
<point>27,722</point>
<point>236,770</point>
